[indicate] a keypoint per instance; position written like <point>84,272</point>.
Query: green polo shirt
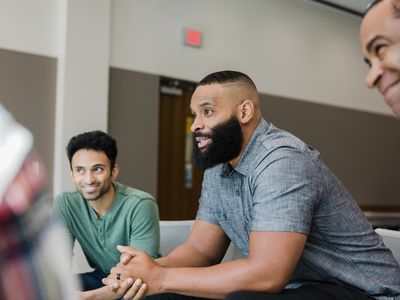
<point>132,220</point>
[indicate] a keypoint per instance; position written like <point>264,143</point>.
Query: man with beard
<point>266,191</point>
<point>103,213</point>
<point>380,37</point>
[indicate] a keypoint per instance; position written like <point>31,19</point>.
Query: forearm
<point>97,294</point>
<point>219,280</point>
<point>186,255</point>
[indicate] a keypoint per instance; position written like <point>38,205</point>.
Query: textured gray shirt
<point>280,184</point>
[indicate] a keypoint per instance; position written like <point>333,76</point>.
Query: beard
<point>227,141</point>
<point>102,189</point>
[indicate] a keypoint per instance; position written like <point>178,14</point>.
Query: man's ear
<point>114,172</point>
<point>246,111</point>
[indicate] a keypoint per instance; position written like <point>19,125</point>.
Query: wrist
<point>86,295</point>
<point>161,279</point>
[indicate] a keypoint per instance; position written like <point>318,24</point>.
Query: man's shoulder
<point>132,193</point>
<point>272,145</point>
<point>68,196</point>
<point>275,138</point>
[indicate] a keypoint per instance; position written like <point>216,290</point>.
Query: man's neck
<point>247,134</point>
<point>103,204</point>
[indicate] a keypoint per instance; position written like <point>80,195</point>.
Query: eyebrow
<point>98,165</point>
<point>90,167</point>
<point>372,41</point>
<point>203,104</point>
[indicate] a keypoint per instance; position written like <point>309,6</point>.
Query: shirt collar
<point>244,165</point>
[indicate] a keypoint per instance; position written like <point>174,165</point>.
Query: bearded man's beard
<point>226,143</point>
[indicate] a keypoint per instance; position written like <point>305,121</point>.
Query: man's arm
<point>272,260</point>
<point>145,229</point>
<point>206,245</point>
<point>273,257</point>
<point>59,215</point>
<point>104,293</point>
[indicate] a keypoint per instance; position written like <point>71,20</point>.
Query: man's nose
<point>374,75</point>
<point>197,124</point>
<point>89,178</point>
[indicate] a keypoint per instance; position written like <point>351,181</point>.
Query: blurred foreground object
<point>33,256</point>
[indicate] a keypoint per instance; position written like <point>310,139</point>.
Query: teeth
<point>202,141</point>
<point>90,188</point>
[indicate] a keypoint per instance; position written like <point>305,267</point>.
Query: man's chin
<point>203,150</point>
<point>90,197</point>
<point>396,110</point>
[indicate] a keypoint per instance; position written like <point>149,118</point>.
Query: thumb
<point>127,249</point>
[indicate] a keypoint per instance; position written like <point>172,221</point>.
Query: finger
<point>106,281</point>
<point>115,270</point>
<point>125,285</point>
<point>134,289</point>
<point>141,293</point>
<point>127,249</point>
<point>125,258</point>
<point>112,284</point>
<point>112,273</point>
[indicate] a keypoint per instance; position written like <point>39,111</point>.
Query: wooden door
<point>179,183</point>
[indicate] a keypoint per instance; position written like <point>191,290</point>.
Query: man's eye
<point>80,171</point>
<point>98,170</point>
<point>207,112</point>
<point>380,50</point>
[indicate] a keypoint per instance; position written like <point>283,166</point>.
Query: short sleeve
<point>59,215</point>
<point>286,192</point>
<point>145,229</point>
<point>206,211</point>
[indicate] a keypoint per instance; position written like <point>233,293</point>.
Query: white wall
<point>29,26</point>
<point>77,33</point>
<point>291,48</point>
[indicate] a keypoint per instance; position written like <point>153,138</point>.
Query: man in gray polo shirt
<point>268,192</point>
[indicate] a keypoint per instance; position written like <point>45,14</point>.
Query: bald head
<point>394,5</point>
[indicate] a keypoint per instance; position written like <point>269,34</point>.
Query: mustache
<point>200,134</point>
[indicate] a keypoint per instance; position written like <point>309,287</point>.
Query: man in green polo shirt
<point>103,213</point>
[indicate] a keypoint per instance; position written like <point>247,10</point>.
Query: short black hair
<point>227,76</point>
<point>93,140</point>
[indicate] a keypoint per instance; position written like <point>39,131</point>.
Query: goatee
<point>227,141</point>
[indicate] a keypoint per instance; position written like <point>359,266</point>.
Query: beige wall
<point>27,90</point>
<point>133,121</point>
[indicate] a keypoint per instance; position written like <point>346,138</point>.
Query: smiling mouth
<point>90,189</point>
<point>203,142</point>
<point>386,92</point>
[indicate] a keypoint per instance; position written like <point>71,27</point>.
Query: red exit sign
<point>193,37</point>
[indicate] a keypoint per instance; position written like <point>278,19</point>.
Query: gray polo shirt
<point>280,184</point>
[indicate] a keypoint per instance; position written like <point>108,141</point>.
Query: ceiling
<point>356,7</point>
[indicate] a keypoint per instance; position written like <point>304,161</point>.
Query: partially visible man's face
<point>217,132</point>
<point>92,174</point>
<point>380,34</point>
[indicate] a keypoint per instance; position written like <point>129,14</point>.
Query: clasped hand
<point>134,265</point>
